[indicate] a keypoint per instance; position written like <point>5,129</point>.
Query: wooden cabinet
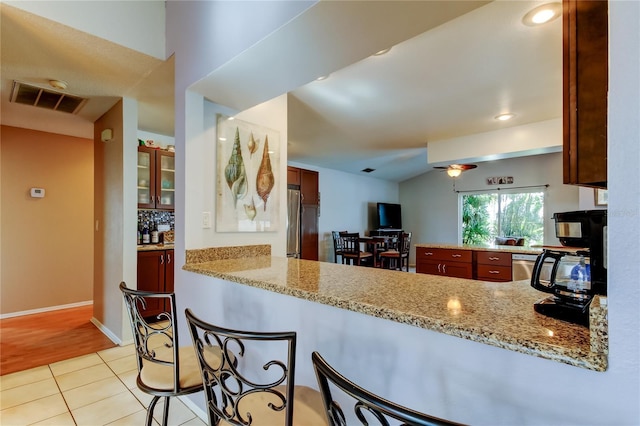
<point>308,183</point>
<point>447,262</point>
<point>293,176</point>
<point>493,266</point>
<point>156,178</point>
<point>585,86</point>
<point>155,273</point>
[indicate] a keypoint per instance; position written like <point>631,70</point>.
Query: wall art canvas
<point>248,161</point>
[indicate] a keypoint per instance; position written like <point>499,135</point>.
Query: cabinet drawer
<point>494,258</point>
<point>494,273</point>
<point>443,254</point>
<point>448,269</point>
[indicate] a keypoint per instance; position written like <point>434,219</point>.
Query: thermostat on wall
<point>37,192</point>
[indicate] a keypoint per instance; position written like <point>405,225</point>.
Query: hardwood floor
<point>40,339</point>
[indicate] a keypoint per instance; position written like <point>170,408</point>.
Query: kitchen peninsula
<point>491,313</point>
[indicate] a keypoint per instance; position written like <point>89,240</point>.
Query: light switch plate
<point>206,220</point>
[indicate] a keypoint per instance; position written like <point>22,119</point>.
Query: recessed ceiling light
<point>382,52</point>
<point>504,117</point>
<point>322,77</point>
<point>542,14</point>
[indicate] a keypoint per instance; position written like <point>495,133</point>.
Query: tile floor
<point>95,389</point>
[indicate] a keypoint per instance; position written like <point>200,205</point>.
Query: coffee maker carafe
<point>579,266</point>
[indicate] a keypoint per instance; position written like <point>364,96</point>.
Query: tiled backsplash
<point>160,217</point>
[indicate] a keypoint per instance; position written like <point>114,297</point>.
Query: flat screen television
<point>389,216</point>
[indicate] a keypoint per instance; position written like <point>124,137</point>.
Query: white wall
<point>201,175</point>
<point>347,203</point>
<point>138,25</point>
<point>507,385</point>
<point>433,204</point>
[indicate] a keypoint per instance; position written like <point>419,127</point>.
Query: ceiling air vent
<point>27,94</point>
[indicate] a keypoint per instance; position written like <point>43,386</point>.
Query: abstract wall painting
<point>248,161</point>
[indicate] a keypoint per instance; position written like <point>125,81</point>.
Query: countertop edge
<point>593,360</point>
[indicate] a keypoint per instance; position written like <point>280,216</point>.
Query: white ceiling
<point>449,79</point>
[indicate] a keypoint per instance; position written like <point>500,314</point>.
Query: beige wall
<point>47,243</point>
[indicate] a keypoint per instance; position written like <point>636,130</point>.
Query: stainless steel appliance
<point>522,266</point>
<point>293,223</point>
<point>579,266</point>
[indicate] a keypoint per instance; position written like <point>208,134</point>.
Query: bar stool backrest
<point>234,391</point>
<point>369,408</point>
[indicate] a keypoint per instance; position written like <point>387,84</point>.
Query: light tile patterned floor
<point>91,390</point>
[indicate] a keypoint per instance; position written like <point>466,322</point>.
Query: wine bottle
<point>146,237</point>
<point>154,233</point>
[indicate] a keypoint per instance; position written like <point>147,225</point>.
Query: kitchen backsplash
<point>159,217</point>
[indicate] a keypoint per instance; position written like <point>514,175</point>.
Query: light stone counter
<point>498,314</point>
<point>152,247</point>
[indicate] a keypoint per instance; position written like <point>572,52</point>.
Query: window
<point>489,215</point>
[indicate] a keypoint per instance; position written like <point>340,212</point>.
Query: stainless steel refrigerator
<point>293,223</point>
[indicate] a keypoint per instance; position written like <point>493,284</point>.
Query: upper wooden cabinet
<point>156,178</point>
<point>585,84</point>
<point>293,176</point>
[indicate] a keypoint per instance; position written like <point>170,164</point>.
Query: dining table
<point>376,244</point>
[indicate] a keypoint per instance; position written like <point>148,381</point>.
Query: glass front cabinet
<point>156,178</point>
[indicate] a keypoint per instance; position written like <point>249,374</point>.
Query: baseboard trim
<point>47,309</point>
<point>104,330</point>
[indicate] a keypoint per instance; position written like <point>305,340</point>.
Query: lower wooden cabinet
<point>464,263</point>
<point>493,266</point>
<point>446,262</point>
<point>155,273</point>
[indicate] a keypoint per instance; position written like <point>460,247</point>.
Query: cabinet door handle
<point>439,267</point>
<point>162,259</point>
<point>168,258</point>
<point>444,268</point>
<point>456,255</point>
<point>494,272</point>
<point>494,258</point>
<point>151,200</point>
<point>157,199</point>
<point>428,253</point>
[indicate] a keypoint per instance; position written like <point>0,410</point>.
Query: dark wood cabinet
<point>493,266</point>
<point>585,85</point>
<point>308,183</point>
<point>293,176</point>
<point>155,273</point>
<point>156,178</point>
<point>446,262</point>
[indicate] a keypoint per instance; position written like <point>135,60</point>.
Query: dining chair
<point>398,257</point>
<point>250,385</point>
<point>338,245</point>
<point>351,250</point>
<point>368,407</point>
<point>165,370</point>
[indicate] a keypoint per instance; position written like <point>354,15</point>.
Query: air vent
<point>27,94</point>
<point>368,170</point>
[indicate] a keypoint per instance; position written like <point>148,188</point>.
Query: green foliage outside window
<point>489,215</point>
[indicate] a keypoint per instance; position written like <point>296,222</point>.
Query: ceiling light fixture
<point>542,14</point>
<point>455,170</point>
<point>504,117</point>
<point>322,77</point>
<point>382,52</point>
<point>58,84</point>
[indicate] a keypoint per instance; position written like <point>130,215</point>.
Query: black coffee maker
<point>579,266</point>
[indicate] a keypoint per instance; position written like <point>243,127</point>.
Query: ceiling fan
<point>454,170</point>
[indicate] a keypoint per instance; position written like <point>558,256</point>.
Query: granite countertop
<point>498,314</point>
<point>152,247</point>
<point>485,247</point>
